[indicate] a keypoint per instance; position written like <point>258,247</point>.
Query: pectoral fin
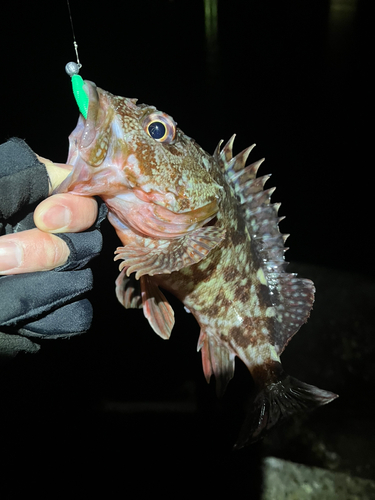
<point>128,291</point>
<point>144,293</point>
<point>169,255</point>
<point>156,308</point>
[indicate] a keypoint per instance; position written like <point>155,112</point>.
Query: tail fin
<point>275,403</point>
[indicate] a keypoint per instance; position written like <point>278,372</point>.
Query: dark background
<point>292,76</point>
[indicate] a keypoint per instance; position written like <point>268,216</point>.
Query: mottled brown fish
<point>203,228</point>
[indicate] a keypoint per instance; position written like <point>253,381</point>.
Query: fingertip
<point>57,172</point>
<point>62,213</point>
<point>53,217</point>
<point>32,250</point>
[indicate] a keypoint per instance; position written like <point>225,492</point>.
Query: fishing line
<point>74,36</point>
<point>72,69</point>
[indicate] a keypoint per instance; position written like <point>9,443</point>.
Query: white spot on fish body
<point>273,352</point>
<point>257,311</point>
<point>261,277</point>
<point>132,162</point>
<point>259,360</point>
<point>206,163</point>
<point>270,312</point>
<point>204,264</point>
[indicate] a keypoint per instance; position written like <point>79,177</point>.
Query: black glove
<point>48,304</point>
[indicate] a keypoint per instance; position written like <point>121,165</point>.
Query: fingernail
<point>10,256</point>
<point>57,217</point>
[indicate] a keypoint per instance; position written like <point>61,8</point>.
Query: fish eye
<point>160,127</point>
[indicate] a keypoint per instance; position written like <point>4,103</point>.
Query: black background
<point>291,76</point>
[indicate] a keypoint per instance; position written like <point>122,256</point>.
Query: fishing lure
<point>80,95</point>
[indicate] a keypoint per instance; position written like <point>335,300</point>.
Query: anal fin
<point>216,360</point>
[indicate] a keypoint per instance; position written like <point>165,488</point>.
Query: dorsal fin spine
<point>235,168</point>
<point>227,152</point>
<point>262,220</point>
<point>216,154</point>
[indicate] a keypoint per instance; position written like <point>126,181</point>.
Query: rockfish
<point>202,227</point>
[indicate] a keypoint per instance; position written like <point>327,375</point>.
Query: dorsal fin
<point>292,297</point>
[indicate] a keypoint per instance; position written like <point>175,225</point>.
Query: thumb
<point>66,213</point>
<point>57,172</point>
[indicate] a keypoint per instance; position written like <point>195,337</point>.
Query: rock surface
<point>285,480</point>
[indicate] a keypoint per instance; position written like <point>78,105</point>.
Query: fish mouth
<point>87,146</point>
<point>89,140</point>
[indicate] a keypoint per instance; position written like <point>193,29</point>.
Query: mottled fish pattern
<point>202,227</point>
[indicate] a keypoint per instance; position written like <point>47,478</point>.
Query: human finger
<point>63,213</point>
<point>57,172</point>
<point>30,251</point>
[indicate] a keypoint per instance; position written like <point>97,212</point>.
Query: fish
<point>203,228</point>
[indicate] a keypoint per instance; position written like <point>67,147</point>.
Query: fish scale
<point>202,227</point>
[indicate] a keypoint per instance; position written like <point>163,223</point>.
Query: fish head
<point>132,155</point>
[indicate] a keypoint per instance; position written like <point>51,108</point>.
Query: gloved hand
<point>48,303</point>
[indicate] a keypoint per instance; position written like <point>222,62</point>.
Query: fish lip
<point>83,137</point>
<point>94,118</point>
